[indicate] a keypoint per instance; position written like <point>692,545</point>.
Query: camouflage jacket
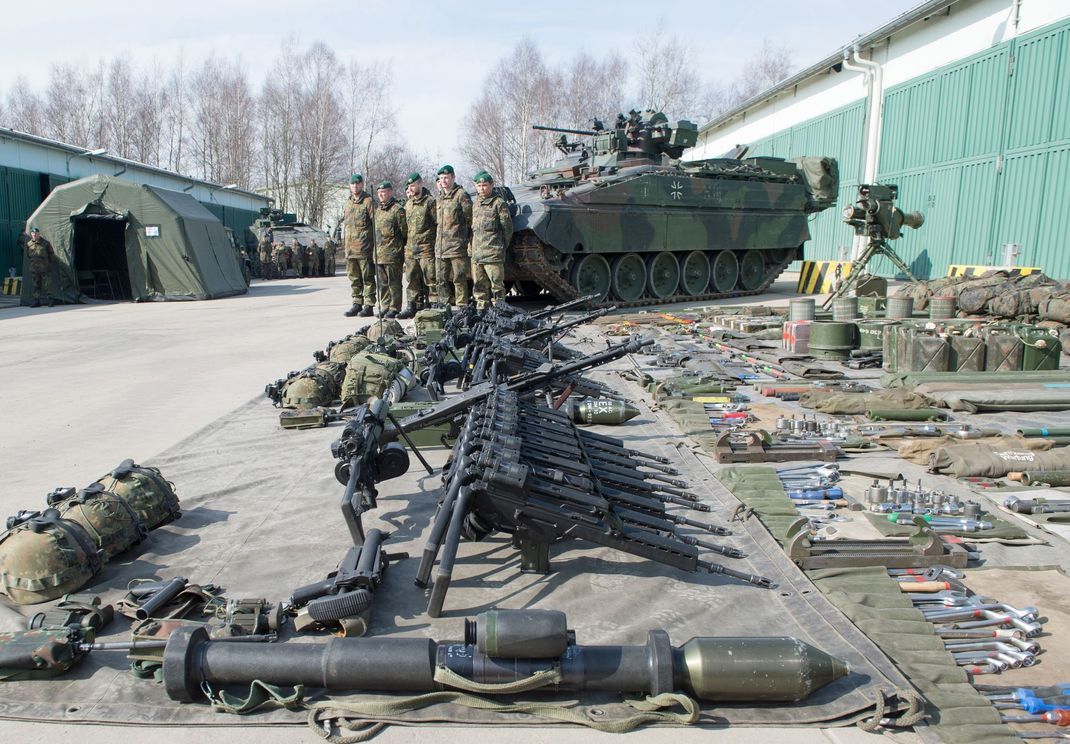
<point>422,222</point>
<point>492,229</point>
<point>454,212</point>
<point>390,229</point>
<point>40,253</point>
<point>359,220</point>
<point>264,247</point>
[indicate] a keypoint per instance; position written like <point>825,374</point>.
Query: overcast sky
<point>439,52</point>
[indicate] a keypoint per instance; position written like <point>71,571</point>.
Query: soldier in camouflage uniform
<point>302,258</point>
<point>315,251</point>
<point>419,246</point>
<point>39,256</point>
<point>359,219</point>
<point>390,230</point>
<point>454,217</point>
<point>330,251</point>
<point>263,249</point>
<point>492,229</point>
<point>282,258</point>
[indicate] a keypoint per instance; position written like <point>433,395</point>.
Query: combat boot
<point>354,311</point>
<point>36,303</point>
<point>407,313</point>
<point>366,311</point>
<point>390,314</point>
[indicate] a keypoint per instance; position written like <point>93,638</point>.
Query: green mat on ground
<point>873,602</point>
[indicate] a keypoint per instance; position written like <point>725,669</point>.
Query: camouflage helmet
<point>43,556</point>
<point>108,519</point>
<point>380,328</point>
<point>309,389</point>
<point>149,494</point>
<point>343,350</point>
<point>336,371</point>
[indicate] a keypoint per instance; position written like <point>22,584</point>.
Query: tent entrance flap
<point>100,256</point>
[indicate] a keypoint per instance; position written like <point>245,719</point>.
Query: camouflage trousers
<point>389,277</point>
<point>453,274</point>
<point>419,279</point>
<point>361,280</point>
<point>329,262</point>
<point>265,265</point>
<point>41,281</point>
<point>488,280</point>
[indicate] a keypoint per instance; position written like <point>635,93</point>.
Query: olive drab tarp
<point>175,248</point>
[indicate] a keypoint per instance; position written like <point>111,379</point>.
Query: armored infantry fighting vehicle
<point>285,227</point>
<point>621,217</point>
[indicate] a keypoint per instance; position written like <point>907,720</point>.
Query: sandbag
<point>975,459</point>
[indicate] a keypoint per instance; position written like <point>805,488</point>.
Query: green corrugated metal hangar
<point>965,104</point>
<point>31,167</point>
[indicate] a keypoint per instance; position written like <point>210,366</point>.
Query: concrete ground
<point>84,387</point>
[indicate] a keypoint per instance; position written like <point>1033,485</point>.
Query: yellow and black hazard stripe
<point>12,285</point>
<point>974,270</point>
<point>819,277</point>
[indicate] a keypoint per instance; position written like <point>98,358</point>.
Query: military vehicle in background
<point>285,227</point>
<point>621,217</point>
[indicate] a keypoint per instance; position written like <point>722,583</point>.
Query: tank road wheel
<point>590,276</point>
<point>725,272</point>
<point>663,275</point>
<point>695,273</point>
<point>752,270</point>
<point>629,277</point>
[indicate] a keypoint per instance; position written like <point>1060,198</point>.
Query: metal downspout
<point>874,99</point>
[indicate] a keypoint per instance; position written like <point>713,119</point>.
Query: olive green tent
<point>114,239</point>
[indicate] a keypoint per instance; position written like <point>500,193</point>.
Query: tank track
<point>531,261</point>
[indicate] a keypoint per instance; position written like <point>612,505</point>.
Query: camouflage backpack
<point>430,321</point>
<point>369,374</point>
<point>145,490</point>
<point>342,351</point>
<point>314,387</point>
<point>43,556</point>
<point>109,520</point>
<point>388,327</point>
<point>336,371</point>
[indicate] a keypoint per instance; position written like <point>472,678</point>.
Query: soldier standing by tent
<point>454,217</point>
<point>419,246</point>
<point>492,229</point>
<point>264,252</point>
<point>39,255</point>
<point>358,216</point>
<point>390,230</point>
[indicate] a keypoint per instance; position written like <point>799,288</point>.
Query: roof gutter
<point>921,13</point>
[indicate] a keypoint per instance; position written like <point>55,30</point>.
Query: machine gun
<point>528,471</point>
<point>876,216</point>
<point>345,596</point>
<point>524,384</point>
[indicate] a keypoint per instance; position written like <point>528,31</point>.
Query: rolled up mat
<point>906,414</point>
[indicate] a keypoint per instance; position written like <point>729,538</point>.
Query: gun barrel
<point>581,132</point>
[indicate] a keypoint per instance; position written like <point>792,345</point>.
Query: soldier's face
<point>483,188</point>
<point>384,195</point>
<point>445,181</point>
<point>413,188</point>
<point>356,188</point>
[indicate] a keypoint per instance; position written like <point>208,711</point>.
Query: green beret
<point>482,176</point>
<point>356,178</point>
<point>445,169</point>
<point>34,229</point>
<point>386,185</point>
<point>413,178</point>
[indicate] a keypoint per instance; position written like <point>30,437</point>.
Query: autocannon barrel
<point>562,130</point>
